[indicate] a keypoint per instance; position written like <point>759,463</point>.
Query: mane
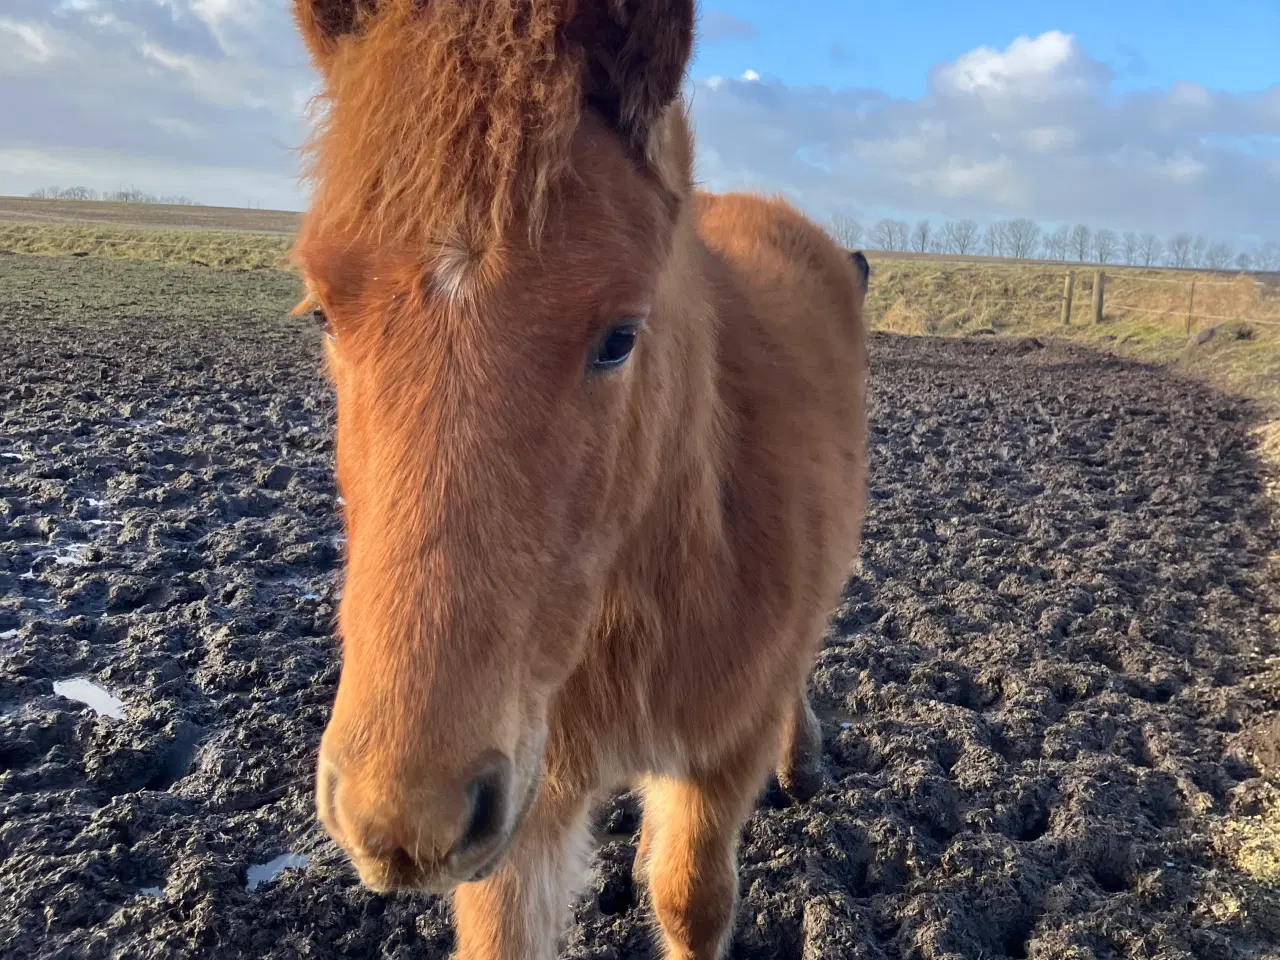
<point>446,122</point>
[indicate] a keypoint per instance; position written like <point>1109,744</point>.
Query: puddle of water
<point>152,891</point>
<point>260,873</point>
<point>97,698</point>
<point>602,840</point>
<point>840,718</point>
<point>8,634</point>
<point>70,554</point>
<point>305,587</point>
<point>12,456</point>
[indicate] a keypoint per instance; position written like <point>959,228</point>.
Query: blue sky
<point>1130,115</point>
<point>1232,45</point>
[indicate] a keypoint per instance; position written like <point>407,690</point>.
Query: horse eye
<point>321,321</point>
<point>616,346</point>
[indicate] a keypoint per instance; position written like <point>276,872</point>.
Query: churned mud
<point>1048,696</point>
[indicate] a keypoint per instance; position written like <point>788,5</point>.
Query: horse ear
<point>324,22</point>
<point>863,269</point>
<point>636,52</point>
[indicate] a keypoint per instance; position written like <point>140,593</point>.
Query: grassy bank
<point>1234,339</point>
<point>1144,317</point>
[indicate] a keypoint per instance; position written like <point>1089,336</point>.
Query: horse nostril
<point>487,794</point>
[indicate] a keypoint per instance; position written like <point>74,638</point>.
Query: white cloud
<point>106,170</point>
<point>1030,67</point>
<point>1184,94</point>
<point>1033,130</point>
<point>1045,139</point>
<point>716,25</point>
<point>203,97</point>
<point>207,97</point>
<point>1183,168</point>
<point>961,178</point>
<point>25,41</point>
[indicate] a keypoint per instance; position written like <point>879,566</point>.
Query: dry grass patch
<point>150,215</point>
<point>1144,313</point>
<point>210,248</point>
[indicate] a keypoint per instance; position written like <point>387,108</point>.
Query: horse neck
<point>684,525</point>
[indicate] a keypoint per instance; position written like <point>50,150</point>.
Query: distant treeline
<point>1025,239</point>
<point>131,195</point>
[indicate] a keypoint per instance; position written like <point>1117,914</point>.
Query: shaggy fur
<point>559,580</point>
<point>487,99</point>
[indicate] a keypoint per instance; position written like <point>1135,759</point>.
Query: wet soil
<point>1041,694</point>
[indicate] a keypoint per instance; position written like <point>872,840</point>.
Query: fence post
<point>1191,306</point>
<point>1067,289</point>
<point>1099,281</point>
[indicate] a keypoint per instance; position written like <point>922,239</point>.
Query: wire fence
<point>938,296</point>
<point>1192,300</point>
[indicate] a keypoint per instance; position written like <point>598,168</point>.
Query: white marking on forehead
<point>455,270</point>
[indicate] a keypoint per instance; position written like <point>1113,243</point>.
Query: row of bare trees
<point>1026,239</point>
<point>123,195</point>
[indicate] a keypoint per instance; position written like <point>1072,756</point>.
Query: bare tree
<point>1104,245</point>
<point>130,195</point>
<point>1267,257</point>
<point>1244,262</point>
<point>1131,246</point>
<point>921,236</point>
<point>846,230</point>
<point>1218,256</point>
<point>1199,251</point>
<point>1150,249</point>
<point>1022,237</point>
<point>1056,243</point>
<point>901,234</point>
<point>993,240</point>
<point>959,236</point>
<point>1180,250</point>
<point>884,235</point>
<point>1081,242</point>
<point>966,236</point>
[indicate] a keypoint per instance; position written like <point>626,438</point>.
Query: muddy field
<point>1045,695</point>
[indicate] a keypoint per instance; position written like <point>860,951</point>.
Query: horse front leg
<point>689,850</point>
<point>799,769</point>
<point>519,912</point>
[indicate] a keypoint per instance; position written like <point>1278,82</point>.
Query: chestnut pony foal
<point>601,439</point>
